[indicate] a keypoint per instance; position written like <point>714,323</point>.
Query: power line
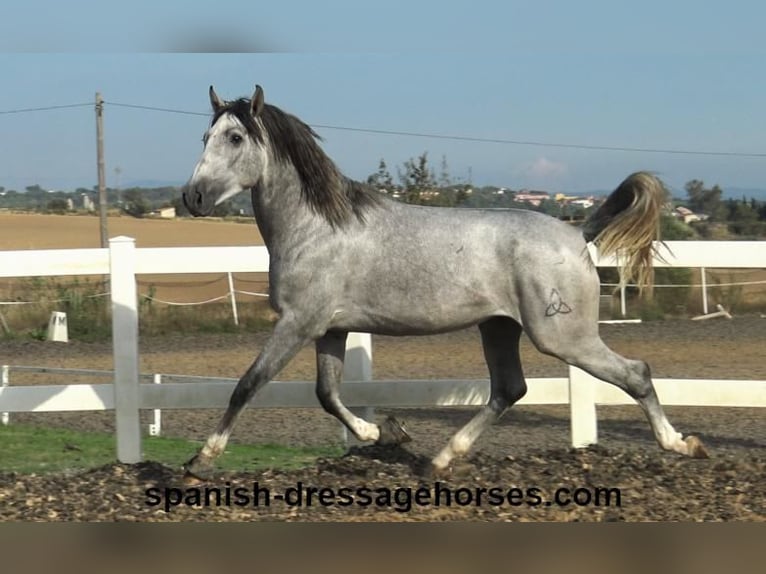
<point>155,109</point>
<point>451,137</point>
<point>485,140</point>
<point>546,144</point>
<point>46,108</point>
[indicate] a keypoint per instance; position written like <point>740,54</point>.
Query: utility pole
<point>100,165</point>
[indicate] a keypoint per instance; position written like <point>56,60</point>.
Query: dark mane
<point>323,187</point>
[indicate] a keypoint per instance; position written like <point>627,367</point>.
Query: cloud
<point>542,173</point>
<point>544,168</point>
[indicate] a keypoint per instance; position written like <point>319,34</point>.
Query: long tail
<point>627,224</point>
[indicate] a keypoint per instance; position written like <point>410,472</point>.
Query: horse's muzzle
<point>195,201</point>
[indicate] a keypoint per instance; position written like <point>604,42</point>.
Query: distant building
<point>687,215</point>
<point>69,204</point>
<point>584,202</point>
<point>532,197</point>
<point>165,213</point>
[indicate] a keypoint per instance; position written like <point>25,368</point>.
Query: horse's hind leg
<point>590,354</point>
<point>330,352</point>
<point>500,338</point>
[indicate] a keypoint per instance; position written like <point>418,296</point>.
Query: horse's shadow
<point>156,474</point>
<point>418,464</point>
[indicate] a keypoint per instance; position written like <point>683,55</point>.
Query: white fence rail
<point>127,395</point>
<point>580,390</point>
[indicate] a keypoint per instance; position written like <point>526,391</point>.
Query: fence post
<point>5,380</point>
<point>582,408</point>
<point>623,305</point>
<point>233,297</point>
<point>155,428</point>
<point>122,265</point>
<point>704,290</point>
<point>358,367</point>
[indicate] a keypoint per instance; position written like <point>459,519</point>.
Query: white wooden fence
<point>127,394</point>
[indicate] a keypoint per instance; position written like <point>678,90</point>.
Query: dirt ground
<point>42,231</point>
<point>21,231</point>
<point>527,450</point>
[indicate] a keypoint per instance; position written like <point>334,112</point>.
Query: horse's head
<point>234,156</point>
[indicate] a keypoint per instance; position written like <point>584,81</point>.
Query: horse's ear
<point>256,103</point>
<point>215,101</point>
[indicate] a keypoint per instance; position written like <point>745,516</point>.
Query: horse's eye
<point>236,139</point>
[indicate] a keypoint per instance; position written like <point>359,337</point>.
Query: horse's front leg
<point>331,352</point>
<point>287,339</point>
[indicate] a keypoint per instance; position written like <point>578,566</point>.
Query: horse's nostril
<point>192,198</point>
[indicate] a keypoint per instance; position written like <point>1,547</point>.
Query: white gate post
<point>582,407</point>
<point>122,265</point>
<point>358,367</point>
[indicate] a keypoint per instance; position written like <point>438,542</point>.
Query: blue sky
<point>672,76</point>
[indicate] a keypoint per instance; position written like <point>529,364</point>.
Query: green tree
<point>36,197</point>
<point>674,229</point>
<point>181,210</point>
<point>740,211</point>
<point>417,178</point>
<point>549,207</point>
<point>381,179</point>
<point>743,218</point>
<point>223,209</point>
<point>58,205</point>
<point>705,200</point>
<point>461,195</point>
<point>444,178</point>
<point>134,202</point>
<point>35,190</point>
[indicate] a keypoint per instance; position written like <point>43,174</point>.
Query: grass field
<point>42,450</point>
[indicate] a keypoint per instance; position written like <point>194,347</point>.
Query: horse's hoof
<point>695,447</point>
<point>196,472</point>
<point>455,470</point>
<point>190,479</point>
<point>392,432</point>
<point>427,470</point>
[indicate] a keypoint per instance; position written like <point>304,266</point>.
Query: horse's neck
<point>283,218</point>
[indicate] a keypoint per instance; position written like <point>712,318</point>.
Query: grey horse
<point>344,257</point>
